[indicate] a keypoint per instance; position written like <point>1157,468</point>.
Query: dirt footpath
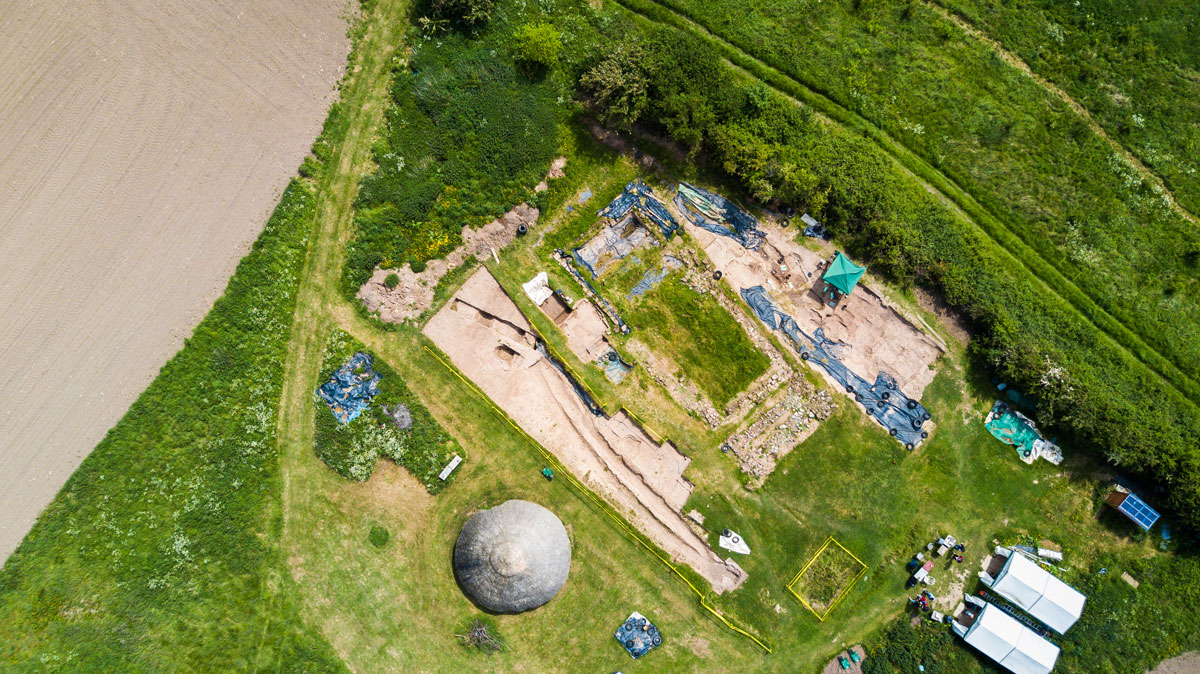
<point>881,337</point>
<point>143,143</point>
<point>1188,663</point>
<point>486,336</point>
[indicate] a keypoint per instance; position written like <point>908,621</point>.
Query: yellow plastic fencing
<point>841,595</point>
<point>599,503</point>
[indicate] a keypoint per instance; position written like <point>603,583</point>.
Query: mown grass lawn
<point>699,337</point>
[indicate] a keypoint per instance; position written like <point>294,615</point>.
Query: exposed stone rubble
<point>760,445</point>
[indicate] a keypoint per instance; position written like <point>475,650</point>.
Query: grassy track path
<point>1023,257</point>
<point>1056,91</point>
<point>364,96</point>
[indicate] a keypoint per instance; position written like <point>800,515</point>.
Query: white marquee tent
<point>1039,593</point>
<point>1016,647</point>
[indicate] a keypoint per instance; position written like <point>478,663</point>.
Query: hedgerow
<point>351,449</point>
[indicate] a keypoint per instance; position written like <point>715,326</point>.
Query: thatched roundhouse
<point>512,558</point>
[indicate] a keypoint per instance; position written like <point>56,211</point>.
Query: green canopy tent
<point>843,274</point>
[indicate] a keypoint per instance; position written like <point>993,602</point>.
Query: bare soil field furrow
<point>143,144</point>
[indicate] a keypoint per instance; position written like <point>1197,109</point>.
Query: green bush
<point>616,87</point>
<point>538,43</point>
<point>379,536</point>
<point>470,13</point>
<point>392,280</point>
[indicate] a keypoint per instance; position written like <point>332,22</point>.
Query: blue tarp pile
<point>718,215</point>
<point>349,391</point>
<point>614,367</point>
<point>639,197</point>
<point>652,278</point>
<point>638,635</point>
<point>625,233</point>
<point>883,399</point>
<point>813,228</point>
<point>615,242</point>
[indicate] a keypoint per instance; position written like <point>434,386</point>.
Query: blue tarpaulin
<point>349,391</point>
<point>718,215</point>
<point>883,399</point>
<point>624,233</point>
<point>652,278</point>
<point>813,228</point>
<point>615,368</point>
<point>580,391</point>
<point>639,197</point>
<point>638,635</point>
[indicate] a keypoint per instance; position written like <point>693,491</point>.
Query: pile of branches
<point>480,636</point>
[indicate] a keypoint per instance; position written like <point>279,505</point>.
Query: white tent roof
<point>1016,647</point>
<point>1039,592</point>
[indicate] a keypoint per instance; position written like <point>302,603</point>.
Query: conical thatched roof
<point>512,558</point>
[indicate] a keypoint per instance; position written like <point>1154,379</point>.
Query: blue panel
<point>1137,510</point>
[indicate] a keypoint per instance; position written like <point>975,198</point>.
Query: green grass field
<point>205,534</point>
<point>700,337</point>
<point>826,577</point>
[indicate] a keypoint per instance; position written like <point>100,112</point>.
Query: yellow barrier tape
<point>599,503</point>
<point>841,595</point>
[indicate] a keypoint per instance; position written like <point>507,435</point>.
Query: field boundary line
<point>1023,255</point>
